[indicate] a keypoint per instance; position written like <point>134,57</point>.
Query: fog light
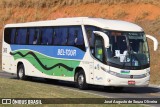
<point>147,74</point>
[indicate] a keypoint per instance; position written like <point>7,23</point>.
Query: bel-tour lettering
<point>66,52</point>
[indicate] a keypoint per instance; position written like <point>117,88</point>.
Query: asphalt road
<point>129,92</point>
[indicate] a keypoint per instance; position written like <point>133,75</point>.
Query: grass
<point>12,88</point>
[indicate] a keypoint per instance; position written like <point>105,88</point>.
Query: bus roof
<point>99,22</point>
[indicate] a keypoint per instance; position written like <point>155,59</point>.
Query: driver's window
<point>99,48</point>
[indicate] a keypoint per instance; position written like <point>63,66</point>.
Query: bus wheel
<point>81,80</point>
<point>21,72</point>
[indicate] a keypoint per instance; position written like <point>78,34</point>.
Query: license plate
<point>131,82</point>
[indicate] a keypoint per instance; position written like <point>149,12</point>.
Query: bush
<point>120,14</point>
<point>52,3</point>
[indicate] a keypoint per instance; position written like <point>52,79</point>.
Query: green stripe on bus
<point>47,65</point>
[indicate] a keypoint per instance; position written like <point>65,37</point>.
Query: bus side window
<point>71,36</point>
<point>21,38</point>
<point>53,36</point>
<point>7,35</point>
<point>50,32</point>
<point>64,35</point>
<point>80,40</point>
<point>90,35</point>
<point>47,33</point>
<point>31,35</point>
<point>13,34</point>
<point>75,37</point>
<point>37,36</point>
<point>16,39</point>
<point>57,36</point>
<point>27,37</point>
<point>44,36</point>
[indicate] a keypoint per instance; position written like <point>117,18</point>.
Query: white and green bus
<point>81,49</point>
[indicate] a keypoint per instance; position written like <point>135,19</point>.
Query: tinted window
<point>79,35</point>
<point>59,36</point>
<point>7,35</point>
<point>44,36</point>
<point>35,36</point>
<point>31,35</point>
<point>17,37</point>
<point>75,37</point>
<point>38,36</point>
<point>21,37</point>
<point>13,35</point>
<point>90,34</point>
<point>71,37</point>
<point>56,38</point>
<point>65,35</point>
<point>47,34</point>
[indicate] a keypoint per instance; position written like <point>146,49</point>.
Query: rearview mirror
<point>155,42</point>
<point>104,36</point>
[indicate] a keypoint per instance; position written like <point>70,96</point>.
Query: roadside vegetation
<point>59,3</point>
<point>12,88</point>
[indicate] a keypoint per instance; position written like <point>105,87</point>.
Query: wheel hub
<point>20,73</point>
<point>80,79</point>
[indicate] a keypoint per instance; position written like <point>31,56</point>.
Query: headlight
<point>112,73</point>
<point>147,74</point>
<point>127,76</point>
<point>148,70</point>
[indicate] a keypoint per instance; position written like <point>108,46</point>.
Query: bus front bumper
<point>126,82</point>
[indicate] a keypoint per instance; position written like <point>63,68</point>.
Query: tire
<point>81,80</point>
<point>21,72</point>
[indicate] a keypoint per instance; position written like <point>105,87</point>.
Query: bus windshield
<point>127,49</point>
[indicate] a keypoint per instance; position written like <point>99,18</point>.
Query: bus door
<point>99,59</point>
<point>99,55</point>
